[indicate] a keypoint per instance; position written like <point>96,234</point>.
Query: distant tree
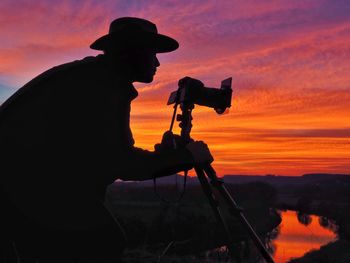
<point>304,219</point>
<point>328,223</point>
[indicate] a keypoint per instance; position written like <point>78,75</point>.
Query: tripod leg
<point>214,204</point>
<point>236,211</point>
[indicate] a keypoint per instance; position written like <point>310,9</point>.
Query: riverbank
<point>331,201</point>
<point>299,234</point>
<point>336,211</point>
<point>339,222</point>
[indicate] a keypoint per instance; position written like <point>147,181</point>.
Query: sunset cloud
<point>289,61</point>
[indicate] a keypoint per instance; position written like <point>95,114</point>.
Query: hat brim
<point>161,43</point>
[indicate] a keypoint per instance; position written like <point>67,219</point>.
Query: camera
<point>193,91</point>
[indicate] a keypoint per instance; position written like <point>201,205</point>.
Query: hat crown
<point>137,32</point>
<point>132,24</point>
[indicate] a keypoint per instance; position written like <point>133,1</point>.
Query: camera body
<point>193,91</point>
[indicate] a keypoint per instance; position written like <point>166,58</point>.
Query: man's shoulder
<point>63,78</point>
<point>78,68</point>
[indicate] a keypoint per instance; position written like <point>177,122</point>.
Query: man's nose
<point>157,62</point>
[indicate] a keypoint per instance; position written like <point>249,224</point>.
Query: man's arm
<point>138,164</point>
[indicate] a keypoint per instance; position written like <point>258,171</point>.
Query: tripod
<point>205,173</point>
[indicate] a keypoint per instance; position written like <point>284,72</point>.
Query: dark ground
<point>189,230</point>
<point>151,225</point>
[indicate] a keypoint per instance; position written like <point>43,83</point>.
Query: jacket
<point>65,136</point>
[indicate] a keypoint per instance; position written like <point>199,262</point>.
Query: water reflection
<point>300,233</point>
<point>304,219</point>
<point>297,234</point>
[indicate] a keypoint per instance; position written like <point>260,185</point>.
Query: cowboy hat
<point>132,31</point>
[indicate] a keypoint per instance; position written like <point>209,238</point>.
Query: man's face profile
<point>144,65</point>
<point>141,63</point>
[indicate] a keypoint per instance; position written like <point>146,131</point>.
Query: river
<point>298,234</point>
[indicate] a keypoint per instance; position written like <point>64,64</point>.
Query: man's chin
<point>145,79</point>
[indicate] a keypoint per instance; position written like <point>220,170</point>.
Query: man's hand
<point>170,141</point>
<point>198,149</point>
<point>200,152</point>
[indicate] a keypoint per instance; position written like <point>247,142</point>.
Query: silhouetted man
<point>65,137</point>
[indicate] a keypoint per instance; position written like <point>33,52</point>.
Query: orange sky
<point>290,63</point>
